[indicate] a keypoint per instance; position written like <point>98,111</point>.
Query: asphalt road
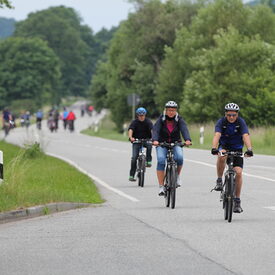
<point>133,232</point>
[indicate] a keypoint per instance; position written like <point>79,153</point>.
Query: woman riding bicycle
<point>140,128</point>
<point>168,128</point>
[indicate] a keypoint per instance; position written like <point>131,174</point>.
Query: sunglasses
<point>229,115</point>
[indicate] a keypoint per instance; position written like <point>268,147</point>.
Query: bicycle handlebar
<point>142,140</point>
<point>232,153</point>
<point>172,144</point>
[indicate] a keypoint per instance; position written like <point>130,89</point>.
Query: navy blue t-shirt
<point>231,133</point>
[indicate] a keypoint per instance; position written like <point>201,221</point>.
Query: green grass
<point>32,178</point>
<point>263,138</point>
<point>106,129</point>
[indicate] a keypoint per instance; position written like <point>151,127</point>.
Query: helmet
<point>171,104</point>
<point>141,111</point>
<point>231,107</point>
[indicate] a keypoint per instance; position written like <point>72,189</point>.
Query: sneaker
<point>178,182</point>
<point>131,178</point>
<point>161,190</point>
<point>237,206</point>
<point>218,186</point>
<point>148,164</point>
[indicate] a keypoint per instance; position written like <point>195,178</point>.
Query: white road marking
<point>270,207</point>
<point>245,174</point>
<point>98,180</point>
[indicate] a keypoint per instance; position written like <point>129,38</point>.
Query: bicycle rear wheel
<point>173,186</point>
<point>230,196</point>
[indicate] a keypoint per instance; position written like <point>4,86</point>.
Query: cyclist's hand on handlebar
<point>188,143</point>
<point>155,143</point>
<point>214,151</point>
<point>249,153</point>
<point>132,139</point>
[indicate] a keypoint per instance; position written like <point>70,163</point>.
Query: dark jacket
<point>161,132</point>
<point>141,129</point>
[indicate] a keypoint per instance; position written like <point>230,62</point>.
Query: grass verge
<point>33,178</point>
<point>263,138</point>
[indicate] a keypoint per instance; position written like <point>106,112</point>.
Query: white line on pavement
<point>98,180</point>
<point>270,207</point>
<point>246,174</point>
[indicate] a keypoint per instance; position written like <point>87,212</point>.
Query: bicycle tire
<point>173,186</point>
<point>225,200</point>
<point>230,197</point>
<point>167,188</point>
<point>141,171</point>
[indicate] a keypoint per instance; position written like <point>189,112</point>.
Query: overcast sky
<point>95,13</point>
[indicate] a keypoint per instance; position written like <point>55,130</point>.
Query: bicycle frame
<point>141,167</point>
<point>228,192</point>
<point>171,174</point>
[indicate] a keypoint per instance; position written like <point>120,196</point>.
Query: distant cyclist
<point>231,133</point>
<point>39,117</point>
<point>168,128</point>
<point>6,120</point>
<point>140,128</point>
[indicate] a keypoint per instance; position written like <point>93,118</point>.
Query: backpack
<point>237,125</point>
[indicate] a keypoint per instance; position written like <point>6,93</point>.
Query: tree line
<point>202,54</point>
<point>50,55</point>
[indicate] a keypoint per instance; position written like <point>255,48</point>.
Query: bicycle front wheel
<point>225,199</point>
<point>230,196</point>
<point>173,185</point>
<point>141,172</point>
<point>167,187</point>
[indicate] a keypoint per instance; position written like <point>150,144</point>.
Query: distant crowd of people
<point>53,116</point>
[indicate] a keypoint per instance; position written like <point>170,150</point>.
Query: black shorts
<point>237,162</point>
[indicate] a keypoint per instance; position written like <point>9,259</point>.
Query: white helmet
<point>231,107</point>
<point>171,104</point>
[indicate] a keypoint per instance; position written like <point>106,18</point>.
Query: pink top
<point>170,127</point>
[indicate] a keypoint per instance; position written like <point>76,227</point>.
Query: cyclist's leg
<point>161,157</point>
<point>238,167</point>
<point>135,151</point>
<point>178,157</point>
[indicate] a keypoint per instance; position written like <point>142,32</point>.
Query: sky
<point>95,13</point>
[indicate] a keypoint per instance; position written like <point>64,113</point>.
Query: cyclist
<point>168,128</point>
<point>39,117</point>
<point>6,120</point>
<point>140,128</point>
<point>231,133</point>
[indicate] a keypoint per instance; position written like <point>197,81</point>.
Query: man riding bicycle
<point>231,133</point>
<point>168,128</point>
<point>140,128</point>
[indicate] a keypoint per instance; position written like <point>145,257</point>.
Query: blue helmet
<point>141,111</point>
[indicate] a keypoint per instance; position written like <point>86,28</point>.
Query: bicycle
<point>228,192</point>
<point>141,161</point>
<point>171,174</point>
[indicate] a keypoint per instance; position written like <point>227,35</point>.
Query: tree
<point>239,69</point>
<point>137,50</point>
<point>71,42</point>
<point>5,3</point>
<point>29,70</point>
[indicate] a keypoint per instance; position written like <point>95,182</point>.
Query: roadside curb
<point>40,210</point>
